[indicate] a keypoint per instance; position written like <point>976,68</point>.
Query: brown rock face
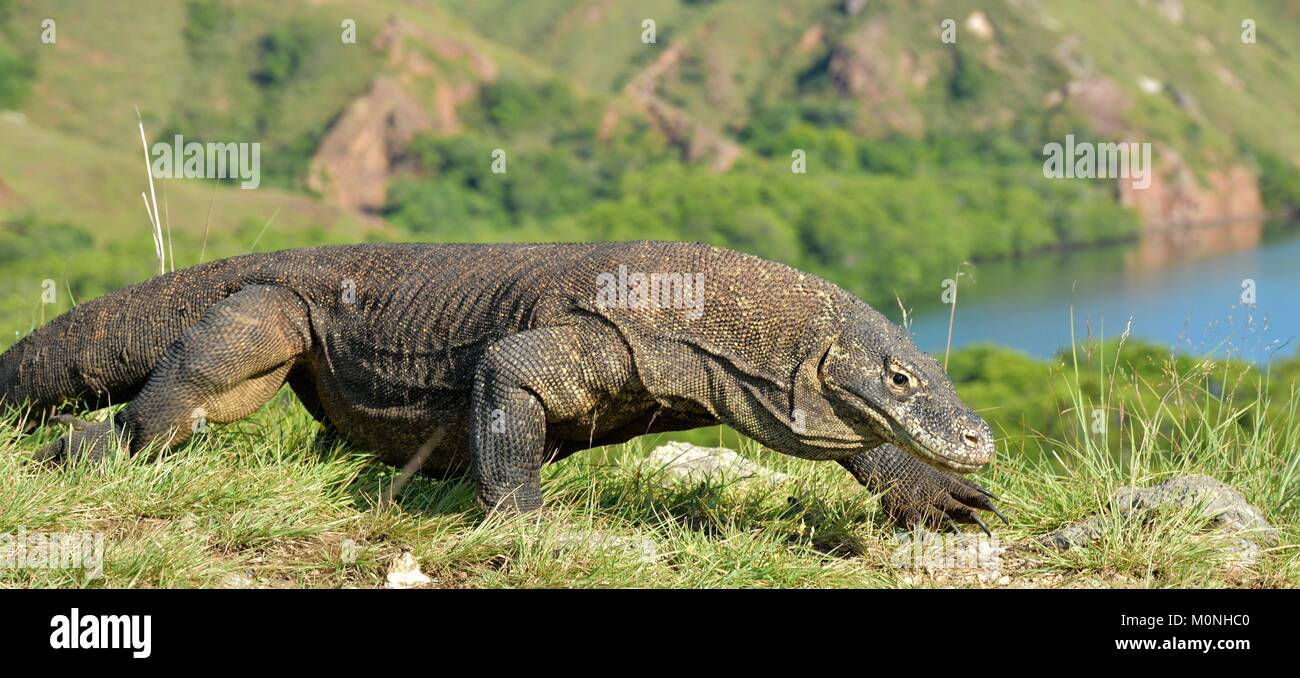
<point>811,39</point>
<point>1183,216</point>
<point>7,196</point>
<point>698,142</point>
<point>353,163</point>
<point>863,68</point>
<point>396,33</point>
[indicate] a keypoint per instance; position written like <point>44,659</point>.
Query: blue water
<point>1195,306</point>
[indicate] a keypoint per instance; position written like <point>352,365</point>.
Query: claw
<point>69,420</point>
<point>982,525</point>
<point>986,493</point>
<point>998,513</point>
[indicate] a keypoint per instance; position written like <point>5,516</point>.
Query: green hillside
<point>920,154</point>
<point>844,137</point>
<point>912,144</point>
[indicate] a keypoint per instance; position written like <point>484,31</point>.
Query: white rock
<point>237,580</point>
<point>596,540</point>
<point>1221,508</point>
<point>966,552</point>
<point>1150,85</point>
<point>978,24</point>
<point>679,462</point>
<point>405,573</point>
<point>1172,10</point>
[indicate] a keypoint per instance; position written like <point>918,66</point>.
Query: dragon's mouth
<point>928,455</point>
<point>924,450</point>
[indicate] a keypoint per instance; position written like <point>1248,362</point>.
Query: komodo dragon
<point>499,358</point>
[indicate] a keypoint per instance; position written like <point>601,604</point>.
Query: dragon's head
<point>883,385</point>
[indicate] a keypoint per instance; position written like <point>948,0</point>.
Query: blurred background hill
<point>923,157</point>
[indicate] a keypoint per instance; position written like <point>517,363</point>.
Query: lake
<point>1195,306</point>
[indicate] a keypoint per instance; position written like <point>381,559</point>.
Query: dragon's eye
<point>900,379</point>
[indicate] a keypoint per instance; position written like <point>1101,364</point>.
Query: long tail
<point>101,352</point>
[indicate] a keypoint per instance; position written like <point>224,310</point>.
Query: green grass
<point>251,501</point>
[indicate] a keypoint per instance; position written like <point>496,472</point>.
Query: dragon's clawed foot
<point>937,499</point>
<point>90,440</point>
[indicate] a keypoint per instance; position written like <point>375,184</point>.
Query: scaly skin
<point>504,357</point>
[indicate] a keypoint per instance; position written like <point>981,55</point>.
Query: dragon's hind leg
<point>223,368</point>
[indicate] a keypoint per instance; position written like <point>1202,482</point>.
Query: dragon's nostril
<point>972,439</point>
